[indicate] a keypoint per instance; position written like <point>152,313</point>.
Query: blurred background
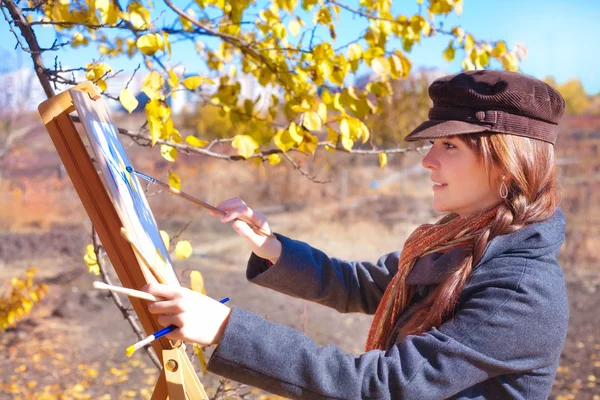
<point>71,344</point>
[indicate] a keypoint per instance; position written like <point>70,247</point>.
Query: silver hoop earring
<point>503,189</point>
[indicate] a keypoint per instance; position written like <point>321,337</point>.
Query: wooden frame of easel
<point>177,380</point>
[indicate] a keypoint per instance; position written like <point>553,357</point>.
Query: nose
<point>430,160</point>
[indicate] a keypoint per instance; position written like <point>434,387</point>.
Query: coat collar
<point>533,240</point>
<point>432,268</point>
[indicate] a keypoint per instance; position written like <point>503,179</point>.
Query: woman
<point>474,306</point>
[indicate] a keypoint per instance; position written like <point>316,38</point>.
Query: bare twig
<point>19,19</point>
<point>235,157</point>
<point>296,166</point>
<point>124,310</point>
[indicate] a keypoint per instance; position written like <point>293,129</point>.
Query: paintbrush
<point>186,196</point>
<point>123,290</point>
<point>158,334</point>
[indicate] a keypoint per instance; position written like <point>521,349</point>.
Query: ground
<point>74,340</point>
<point>73,343</point>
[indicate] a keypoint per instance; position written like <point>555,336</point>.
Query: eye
<point>449,145</point>
<point>431,141</point>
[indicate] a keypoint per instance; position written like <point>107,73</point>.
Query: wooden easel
<point>177,380</point>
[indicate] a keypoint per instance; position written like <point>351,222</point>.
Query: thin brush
<point>194,200</point>
<point>123,290</point>
<point>158,334</point>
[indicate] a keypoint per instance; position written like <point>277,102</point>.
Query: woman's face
<point>461,182</point>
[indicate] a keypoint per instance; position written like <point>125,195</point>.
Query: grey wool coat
<point>503,342</point>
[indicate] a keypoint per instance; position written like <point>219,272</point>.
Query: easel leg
<point>178,380</point>
<point>160,389</point>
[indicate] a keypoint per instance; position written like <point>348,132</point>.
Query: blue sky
<point>561,37</point>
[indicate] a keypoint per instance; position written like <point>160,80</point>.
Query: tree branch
<point>126,314</point>
<point>27,33</point>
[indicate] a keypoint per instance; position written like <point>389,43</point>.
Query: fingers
<point>243,211</point>
<point>160,290</point>
<point>229,204</point>
<point>170,319</point>
<point>166,307</point>
<point>246,231</point>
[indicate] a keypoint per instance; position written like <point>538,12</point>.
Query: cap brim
<point>437,128</point>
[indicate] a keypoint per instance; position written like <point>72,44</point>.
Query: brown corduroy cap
<point>492,101</point>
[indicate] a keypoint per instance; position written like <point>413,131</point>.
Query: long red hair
<point>530,169</point>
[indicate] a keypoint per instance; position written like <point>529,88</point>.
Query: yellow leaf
<point>283,140</point>
<point>131,47</point>
<point>201,357</point>
<point>382,160</point>
<point>381,66</point>
<point>401,65</point>
<point>354,52</point>
<point>152,85</point>
<point>332,136</point>
<point>294,133</point>
<point>345,128</point>
<point>294,27</point>
<point>21,368</point>
<point>111,17</point>
<point>197,282</point>
<point>183,249</point>
<point>481,58</point>
<point>118,372</point>
<point>101,84</point>
<point>78,40</point>
<point>499,49</point>
<point>257,161</point>
<point>89,251</point>
<point>458,32</point>
<point>91,261</point>
<point>155,127</point>
<point>309,144</point>
<point>509,61</point>
<point>322,111</point>
<point>467,64</point>
<point>169,153</point>
<point>194,141</point>
<point>245,145</point>
<point>138,15</point>
<point>167,130</point>
<point>128,100</point>
<point>449,53</point>
<point>303,107</point>
<point>174,180</point>
<point>167,44</point>
<point>193,82</point>
<point>469,43</point>
<point>274,159</point>
<point>458,6</point>
<point>347,143</point>
<point>311,121</point>
<point>362,130</point>
<point>176,136</point>
<point>150,43</point>
<point>173,80</point>
<point>165,238</point>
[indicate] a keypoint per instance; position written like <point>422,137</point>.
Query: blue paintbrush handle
<point>168,329</point>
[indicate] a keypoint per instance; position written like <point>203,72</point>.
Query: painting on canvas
<point>124,188</point>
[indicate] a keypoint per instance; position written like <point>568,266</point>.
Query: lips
<point>439,185</point>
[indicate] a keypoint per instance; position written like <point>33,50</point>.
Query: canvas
<point>124,189</point>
